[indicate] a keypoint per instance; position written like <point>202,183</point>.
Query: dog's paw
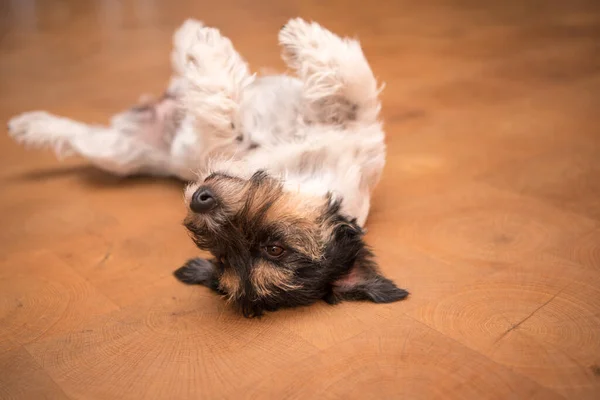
<point>309,48</point>
<point>292,37</point>
<point>302,41</point>
<point>210,53</point>
<point>214,76</point>
<point>185,34</point>
<point>26,128</point>
<point>196,271</point>
<point>39,129</point>
<point>197,48</point>
<point>183,39</point>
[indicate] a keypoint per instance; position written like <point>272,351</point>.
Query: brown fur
<point>229,282</point>
<point>265,277</point>
<point>298,216</point>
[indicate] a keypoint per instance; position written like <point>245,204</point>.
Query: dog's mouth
<point>199,231</point>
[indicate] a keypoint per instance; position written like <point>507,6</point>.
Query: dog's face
<point>274,248</point>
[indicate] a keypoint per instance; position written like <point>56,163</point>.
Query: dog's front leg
<point>213,76</point>
<point>199,271</point>
<point>339,86</point>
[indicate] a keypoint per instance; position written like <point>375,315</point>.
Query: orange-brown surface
<point>488,212</point>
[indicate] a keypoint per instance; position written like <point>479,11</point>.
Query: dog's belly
<point>269,111</point>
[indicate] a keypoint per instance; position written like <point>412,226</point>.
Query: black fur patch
<point>198,271</point>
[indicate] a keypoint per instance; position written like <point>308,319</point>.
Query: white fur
<point>319,133</point>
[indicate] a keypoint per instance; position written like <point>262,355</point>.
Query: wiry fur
<point>290,161</point>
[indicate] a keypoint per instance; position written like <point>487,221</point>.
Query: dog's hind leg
<point>339,86</point>
<point>136,142</point>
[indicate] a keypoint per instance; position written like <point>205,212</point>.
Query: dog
<point>282,167</point>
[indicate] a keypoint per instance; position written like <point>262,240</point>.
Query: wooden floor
<point>488,212</point>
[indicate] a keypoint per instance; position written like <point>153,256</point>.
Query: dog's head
<point>275,248</point>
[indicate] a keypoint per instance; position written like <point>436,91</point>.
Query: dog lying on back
<point>283,167</point>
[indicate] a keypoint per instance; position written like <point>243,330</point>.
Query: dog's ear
<point>363,282</point>
<point>358,277</point>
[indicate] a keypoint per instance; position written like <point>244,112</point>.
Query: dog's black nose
<point>202,201</point>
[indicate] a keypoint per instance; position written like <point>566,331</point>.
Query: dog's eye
<point>274,251</point>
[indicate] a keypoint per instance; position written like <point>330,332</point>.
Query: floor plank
<point>488,212</point>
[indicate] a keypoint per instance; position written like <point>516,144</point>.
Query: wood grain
<point>404,359</point>
<point>488,212</point>
<point>552,334</point>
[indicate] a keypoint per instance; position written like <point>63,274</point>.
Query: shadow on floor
<point>93,177</point>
